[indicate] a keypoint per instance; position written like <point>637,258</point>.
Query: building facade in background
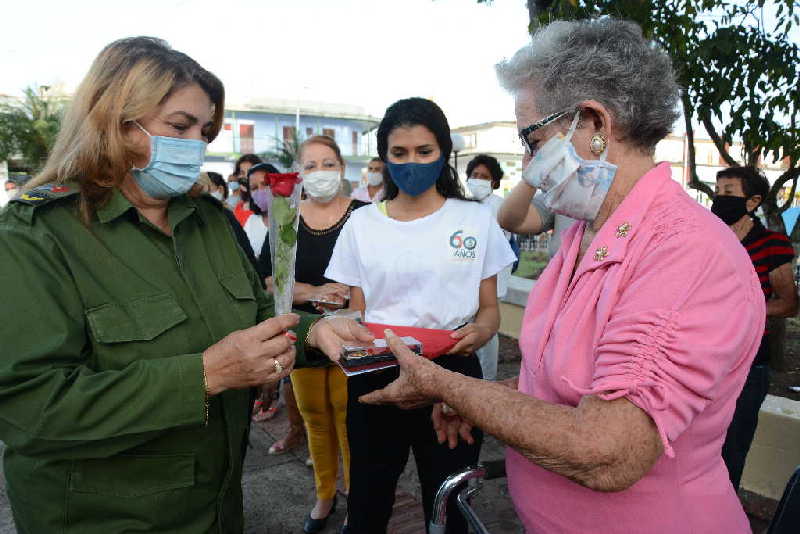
<point>499,139</point>
<point>262,126</point>
<point>675,149</point>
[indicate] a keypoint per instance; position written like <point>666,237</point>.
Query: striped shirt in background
<point>768,250</point>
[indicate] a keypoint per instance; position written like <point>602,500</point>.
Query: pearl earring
<point>598,144</point>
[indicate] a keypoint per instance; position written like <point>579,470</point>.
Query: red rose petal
<point>282,185</point>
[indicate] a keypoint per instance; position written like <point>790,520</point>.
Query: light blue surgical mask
<point>174,166</point>
<point>572,186</point>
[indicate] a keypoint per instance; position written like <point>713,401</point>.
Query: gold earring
<point>598,144</point>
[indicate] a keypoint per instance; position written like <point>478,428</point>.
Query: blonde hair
<point>129,79</point>
<point>323,140</point>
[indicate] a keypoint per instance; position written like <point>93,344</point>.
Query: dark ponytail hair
<point>420,112</point>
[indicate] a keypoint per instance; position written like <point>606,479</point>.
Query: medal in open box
<point>358,359</point>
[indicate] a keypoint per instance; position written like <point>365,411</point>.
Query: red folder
<point>434,342</point>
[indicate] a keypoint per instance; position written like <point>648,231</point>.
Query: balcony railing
<point>530,242</point>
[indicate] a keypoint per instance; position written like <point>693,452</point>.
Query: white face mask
<point>322,186</point>
<point>479,188</point>
<point>374,178</point>
<point>572,186</point>
<point>217,195</point>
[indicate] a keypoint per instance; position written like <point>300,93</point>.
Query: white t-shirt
<point>494,202</point>
<point>256,231</point>
<point>426,272</point>
<point>362,194</point>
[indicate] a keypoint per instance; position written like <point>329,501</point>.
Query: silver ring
<point>278,366</point>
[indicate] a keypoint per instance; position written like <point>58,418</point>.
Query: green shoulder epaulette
<point>44,194</point>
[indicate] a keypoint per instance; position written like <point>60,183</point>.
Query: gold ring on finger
<point>278,366</point>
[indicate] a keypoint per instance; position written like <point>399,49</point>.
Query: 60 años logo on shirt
<point>464,245</point>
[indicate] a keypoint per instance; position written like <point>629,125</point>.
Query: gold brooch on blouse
<point>600,254</point>
<point>623,229</point>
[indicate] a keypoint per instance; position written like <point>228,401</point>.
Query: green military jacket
<point>102,404</point>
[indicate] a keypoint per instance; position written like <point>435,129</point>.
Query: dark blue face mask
<point>415,178</point>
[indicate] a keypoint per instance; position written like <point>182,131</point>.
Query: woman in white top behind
<point>483,177</point>
<point>425,257</point>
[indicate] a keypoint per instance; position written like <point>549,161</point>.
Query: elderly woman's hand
<point>331,333</point>
<point>255,356</point>
<point>412,387</point>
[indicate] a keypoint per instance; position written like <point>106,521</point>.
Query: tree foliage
<point>28,128</point>
<point>287,151</point>
<point>738,67</point>
<point>751,92</point>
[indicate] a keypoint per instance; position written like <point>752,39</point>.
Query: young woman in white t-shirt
<point>424,257</point>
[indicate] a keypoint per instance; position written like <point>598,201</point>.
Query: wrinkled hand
<point>449,426</point>
<point>246,358</point>
<point>413,388</point>
<point>330,334</point>
<point>341,290</point>
<point>471,337</point>
<point>333,292</point>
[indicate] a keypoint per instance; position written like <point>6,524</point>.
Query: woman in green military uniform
<point>133,325</point>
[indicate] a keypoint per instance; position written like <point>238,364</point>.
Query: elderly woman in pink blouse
<point>638,336</point>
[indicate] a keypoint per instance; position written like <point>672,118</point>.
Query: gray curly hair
<point>603,59</point>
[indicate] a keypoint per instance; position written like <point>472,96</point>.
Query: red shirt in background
<point>242,212</point>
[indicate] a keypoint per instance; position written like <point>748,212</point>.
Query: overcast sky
<point>364,52</point>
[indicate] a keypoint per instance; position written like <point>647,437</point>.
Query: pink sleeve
<point>686,318</point>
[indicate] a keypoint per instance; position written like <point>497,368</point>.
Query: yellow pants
<point>321,394</point>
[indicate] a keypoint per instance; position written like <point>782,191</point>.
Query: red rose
<point>282,185</point>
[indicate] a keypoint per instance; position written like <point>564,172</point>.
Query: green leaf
<point>288,235</point>
<point>279,208</point>
<point>289,217</point>
<point>282,211</point>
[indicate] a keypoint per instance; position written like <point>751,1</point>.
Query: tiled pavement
<point>284,484</point>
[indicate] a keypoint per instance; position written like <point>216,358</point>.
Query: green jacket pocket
<point>130,476</point>
<point>238,287</point>
<point>242,297</point>
<point>141,319</point>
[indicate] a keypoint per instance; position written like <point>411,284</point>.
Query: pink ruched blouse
<point>664,309</point>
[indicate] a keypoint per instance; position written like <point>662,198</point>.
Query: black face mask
<point>728,208</point>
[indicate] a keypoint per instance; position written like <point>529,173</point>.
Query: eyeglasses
<point>525,133</point>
